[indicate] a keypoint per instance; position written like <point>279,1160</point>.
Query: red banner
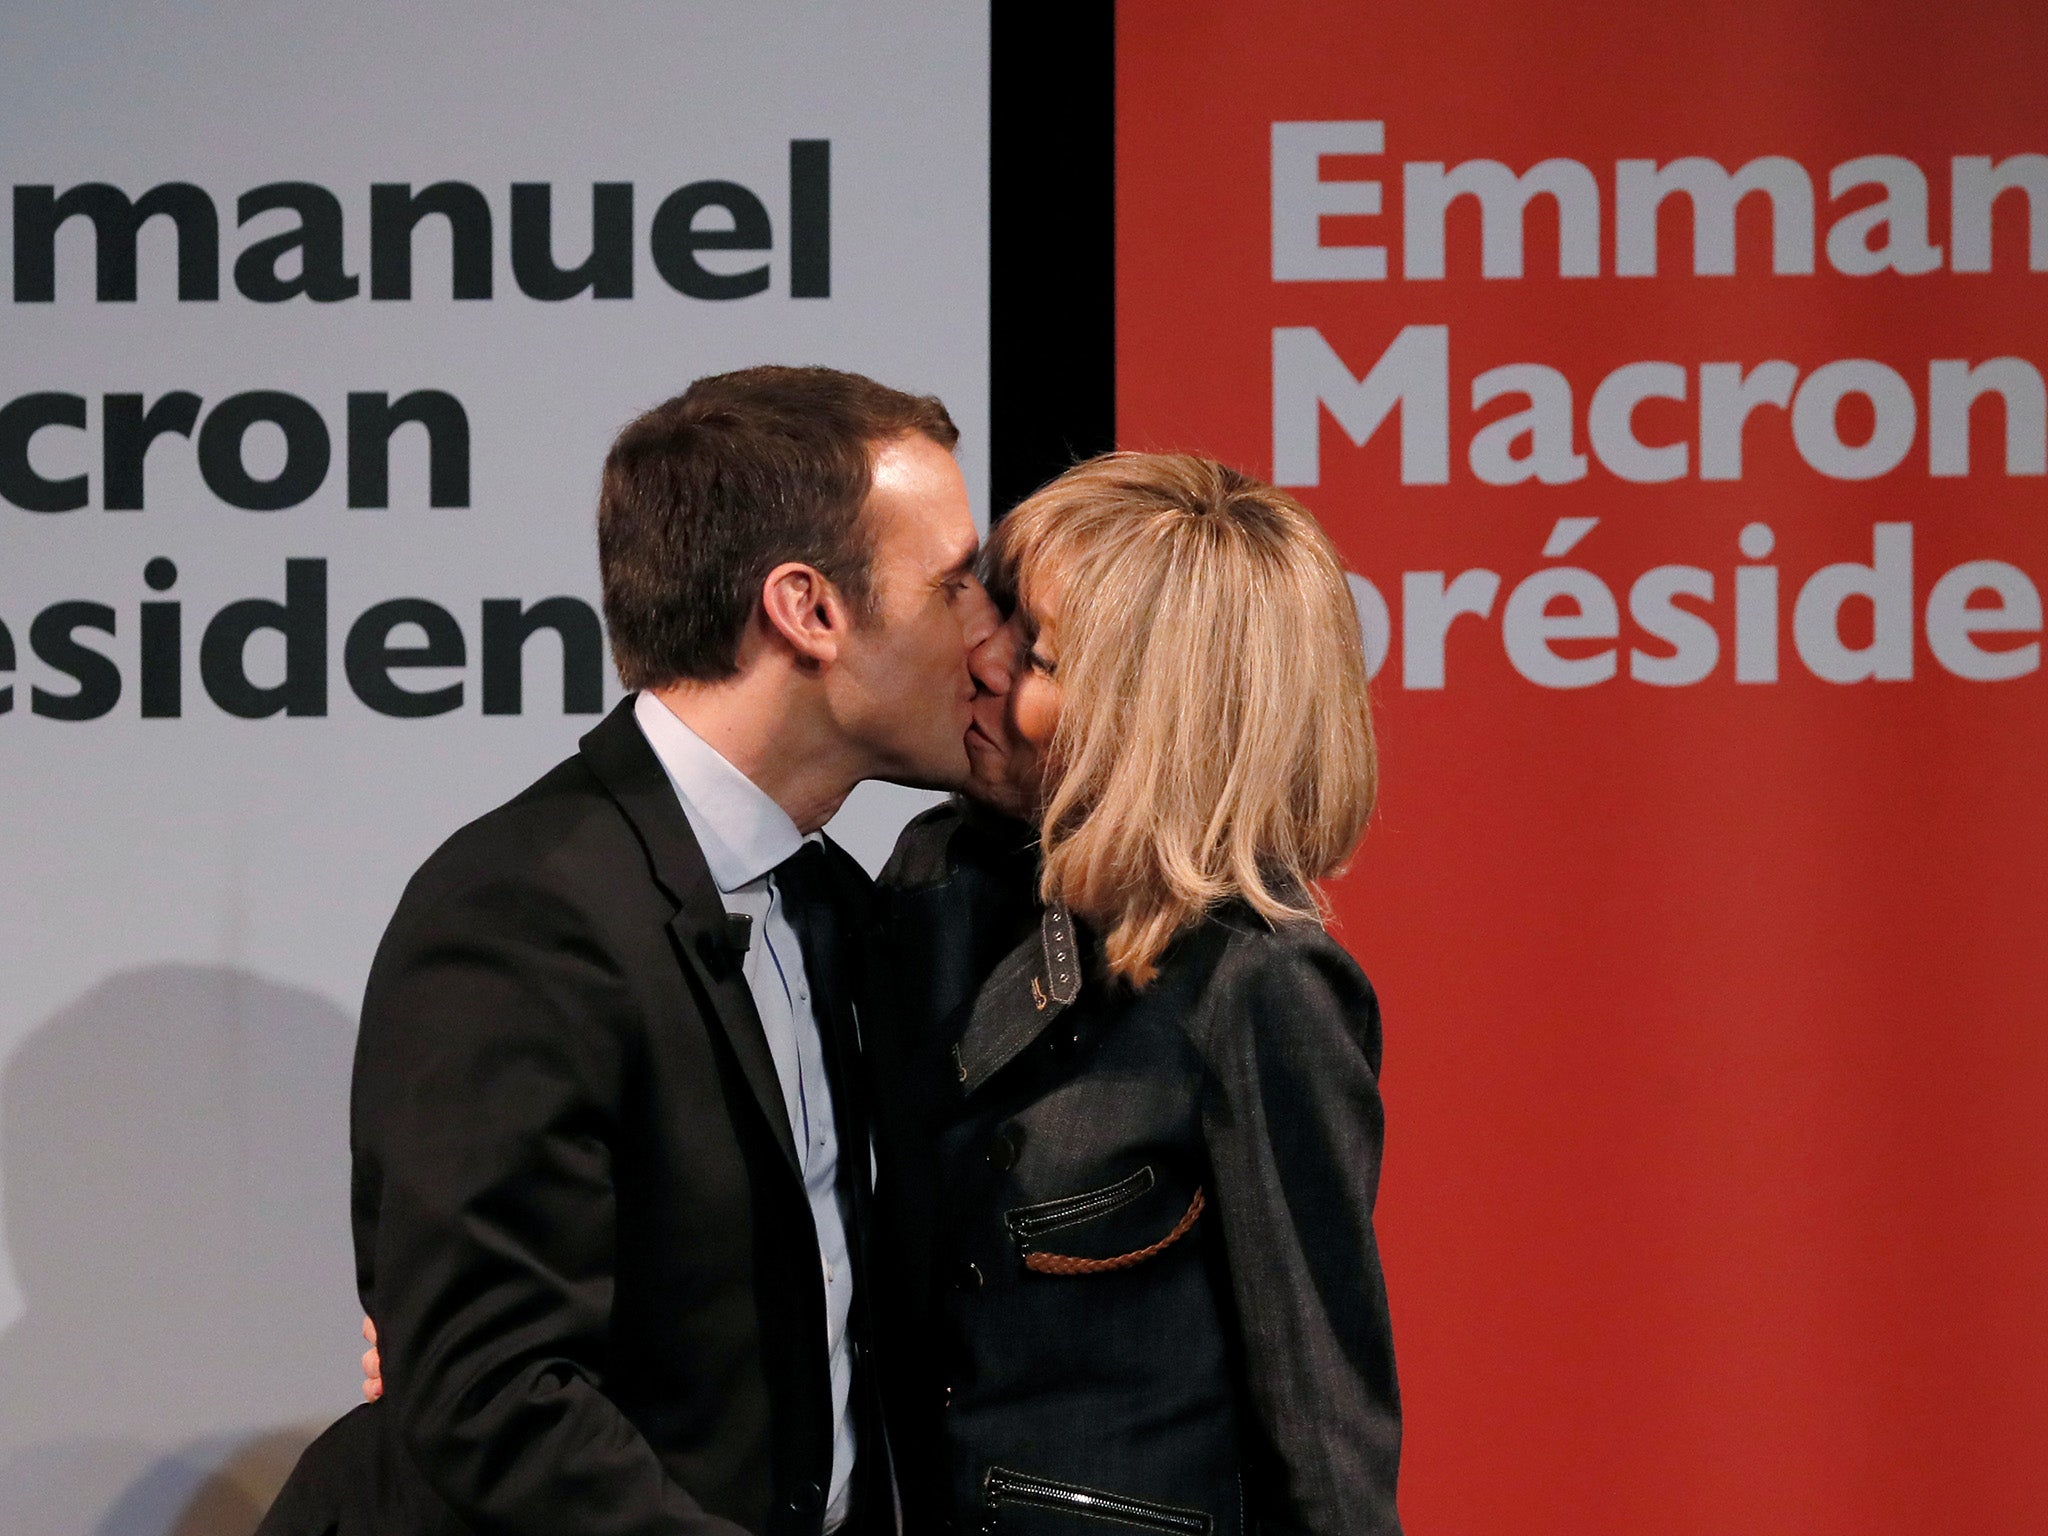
<point>1673,380</point>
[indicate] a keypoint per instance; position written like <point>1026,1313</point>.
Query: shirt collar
<point>743,832</point>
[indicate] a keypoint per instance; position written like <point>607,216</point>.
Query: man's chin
<point>952,773</point>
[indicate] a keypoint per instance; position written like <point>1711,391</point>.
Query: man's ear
<point>807,611</point>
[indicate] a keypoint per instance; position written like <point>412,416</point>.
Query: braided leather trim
<point>1067,1264</point>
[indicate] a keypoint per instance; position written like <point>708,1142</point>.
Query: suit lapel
<point>626,765</point>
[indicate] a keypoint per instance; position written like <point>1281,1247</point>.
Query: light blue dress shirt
<point>744,834</point>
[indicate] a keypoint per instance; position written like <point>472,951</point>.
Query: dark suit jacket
<point>1150,1289</point>
<point>579,1222</point>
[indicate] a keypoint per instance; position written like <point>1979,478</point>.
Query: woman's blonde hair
<point>1214,740</point>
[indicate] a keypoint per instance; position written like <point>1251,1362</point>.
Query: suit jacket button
<point>967,1276</point>
<point>808,1499</point>
<point>1002,1151</point>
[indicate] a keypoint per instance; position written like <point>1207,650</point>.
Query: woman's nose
<point>993,662</point>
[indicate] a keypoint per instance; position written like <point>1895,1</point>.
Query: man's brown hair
<point>707,493</point>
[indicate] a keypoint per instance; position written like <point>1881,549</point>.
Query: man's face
<point>901,688</point>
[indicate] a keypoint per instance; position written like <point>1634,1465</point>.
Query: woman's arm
<point>1293,1124</point>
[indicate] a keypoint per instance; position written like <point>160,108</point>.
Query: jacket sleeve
<point>1293,1125</point>
<point>489,1073</point>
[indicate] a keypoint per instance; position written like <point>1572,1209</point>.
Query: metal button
<point>1003,1150</point>
<point>967,1276</point>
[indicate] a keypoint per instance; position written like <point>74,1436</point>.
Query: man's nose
<point>978,616</point>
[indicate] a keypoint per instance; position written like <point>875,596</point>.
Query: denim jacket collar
<point>1033,985</point>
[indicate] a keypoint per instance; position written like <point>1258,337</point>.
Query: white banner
<point>318,321</point>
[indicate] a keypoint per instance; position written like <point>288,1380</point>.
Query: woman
<point>1133,1170</point>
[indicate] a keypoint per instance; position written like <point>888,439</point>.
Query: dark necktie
<point>811,900</point>
<point>815,902</point>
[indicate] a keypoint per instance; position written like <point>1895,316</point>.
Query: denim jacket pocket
<point>1101,1230</point>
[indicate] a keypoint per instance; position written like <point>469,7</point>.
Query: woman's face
<point>1015,711</point>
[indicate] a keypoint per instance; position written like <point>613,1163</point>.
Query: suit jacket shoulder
<point>562,832</point>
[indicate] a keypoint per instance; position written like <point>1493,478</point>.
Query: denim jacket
<point>1137,1285</point>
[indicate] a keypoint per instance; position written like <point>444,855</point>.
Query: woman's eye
<point>1042,664</point>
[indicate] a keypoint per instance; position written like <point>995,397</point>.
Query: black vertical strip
<point>163,678</point>
<point>1052,241</point>
<point>810,218</point>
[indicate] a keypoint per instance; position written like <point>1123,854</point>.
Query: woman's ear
<point>806,610</point>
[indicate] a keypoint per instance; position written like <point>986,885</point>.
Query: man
<point>611,1156</point>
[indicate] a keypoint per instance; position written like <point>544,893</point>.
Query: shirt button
<point>967,1276</point>
<point>1003,1150</point>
